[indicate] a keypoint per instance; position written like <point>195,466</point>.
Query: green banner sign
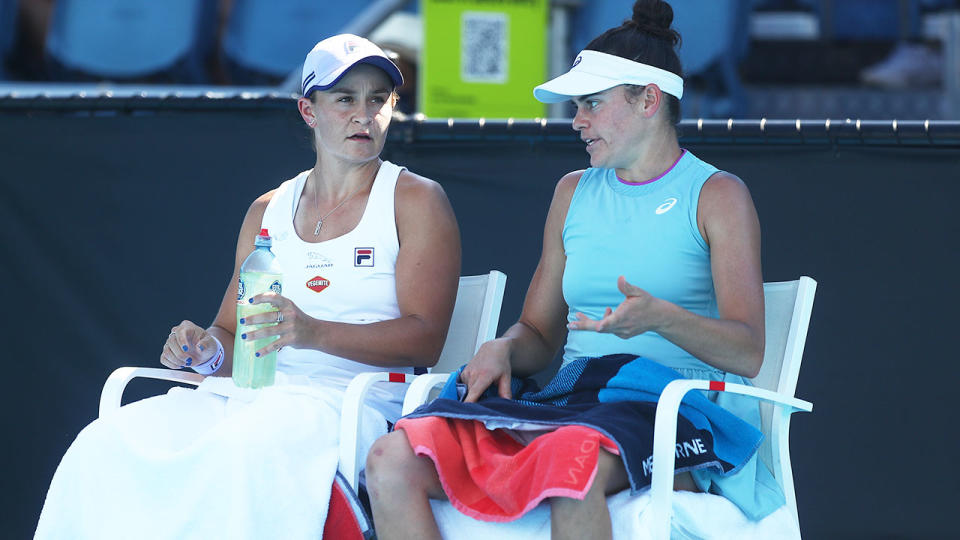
<point>482,58</point>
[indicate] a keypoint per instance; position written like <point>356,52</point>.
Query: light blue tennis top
<point>648,233</point>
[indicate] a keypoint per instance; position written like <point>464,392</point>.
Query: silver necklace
<point>316,231</point>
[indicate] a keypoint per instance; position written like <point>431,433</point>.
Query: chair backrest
<point>787,306</point>
<point>475,318</point>
<point>123,38</point>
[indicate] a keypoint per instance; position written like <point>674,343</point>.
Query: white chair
<point>474,322</point>
<point>475,317</point>
<point>788,306</point>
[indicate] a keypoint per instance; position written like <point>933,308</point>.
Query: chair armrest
<point>420,389</point>
<point>350,419</point>
<point>112,391</point>
<point>665,439</point>
<point>353,399</point>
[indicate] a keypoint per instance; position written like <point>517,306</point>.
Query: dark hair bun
<point>654,17</point>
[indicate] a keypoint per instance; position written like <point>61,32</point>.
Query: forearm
<point>730,345</point>
<point>530,351</point>
<point>410,340</point>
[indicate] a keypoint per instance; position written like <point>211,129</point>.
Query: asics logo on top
<point>666,206</point>
<point>350,46</point>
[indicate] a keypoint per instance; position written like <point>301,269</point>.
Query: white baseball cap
<point>330,59</point>
<point>594,71</point>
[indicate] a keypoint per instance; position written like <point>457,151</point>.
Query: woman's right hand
<point>491,365</point>
<point>187,345</point>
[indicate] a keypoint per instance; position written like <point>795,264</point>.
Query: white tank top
<point>348,279</point>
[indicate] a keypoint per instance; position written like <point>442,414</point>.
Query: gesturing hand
<point>187,345</point>
<point>294,327</point>
<point>491,365</point>
<point>635,315</point>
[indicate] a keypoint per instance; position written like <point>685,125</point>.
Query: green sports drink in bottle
<point>259,273</point>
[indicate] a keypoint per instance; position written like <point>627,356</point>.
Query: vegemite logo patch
<point>318,284</point>
<point>363,257</point>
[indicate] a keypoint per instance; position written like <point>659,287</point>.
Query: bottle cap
<point>263,239</point>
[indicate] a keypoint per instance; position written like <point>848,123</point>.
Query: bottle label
<point>251,284</point>
<point>276,286</point>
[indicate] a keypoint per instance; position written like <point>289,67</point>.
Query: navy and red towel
<point>613,396</point>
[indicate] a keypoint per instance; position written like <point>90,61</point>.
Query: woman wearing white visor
<point>651,260</point>
<point>370,256</point>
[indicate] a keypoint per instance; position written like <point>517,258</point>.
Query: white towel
<point>696,516</point>
<point>198,464</point>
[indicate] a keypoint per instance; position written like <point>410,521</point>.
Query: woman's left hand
<point>294,327</point>
<point>637,314</point>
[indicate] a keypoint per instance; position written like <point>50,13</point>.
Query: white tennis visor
<point>594,71</point>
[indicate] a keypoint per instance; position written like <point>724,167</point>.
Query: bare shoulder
<point>724,188</point>
<point>417,191</point>
<point>421,205</point>
<point>726,205</point>
<point>567,185</point>
<point>568,182</point>
<point>258,207</point>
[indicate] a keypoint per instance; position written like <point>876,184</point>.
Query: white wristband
<point>213,364</point>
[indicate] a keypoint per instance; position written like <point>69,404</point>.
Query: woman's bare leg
<point>400,484</point>
<point>589,518</point>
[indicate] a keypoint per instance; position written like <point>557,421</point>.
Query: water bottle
<point>259,273</point>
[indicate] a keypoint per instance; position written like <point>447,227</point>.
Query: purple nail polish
<point>243,321</point>
<point>251,300</point>
<point>189,361</point>
<point>184,348</point>
<point>243,336</point>
<point>200,347</point>
<point>257,355</point>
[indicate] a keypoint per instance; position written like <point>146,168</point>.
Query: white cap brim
<point>594,71</point>
<point>332,58</point>
<point>572,84</point>
<point>334,77</point>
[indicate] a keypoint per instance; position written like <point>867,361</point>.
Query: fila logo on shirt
<point>363,256</point>
<point>318,283</point>
<point>666,206</point>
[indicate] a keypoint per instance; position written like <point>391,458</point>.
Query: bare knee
<point>388,457</point>
<point>393,468</point>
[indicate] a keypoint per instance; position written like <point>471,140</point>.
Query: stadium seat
<point>8,25</point>
<point>265,40</point>
<point>131,39</point>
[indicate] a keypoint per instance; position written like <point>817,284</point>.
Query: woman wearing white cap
<point>650,253</point>
<point>370,255</point>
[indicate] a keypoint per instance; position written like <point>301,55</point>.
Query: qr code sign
<point>484,47</point>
